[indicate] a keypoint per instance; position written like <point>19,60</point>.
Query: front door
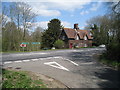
<point>70,45</point>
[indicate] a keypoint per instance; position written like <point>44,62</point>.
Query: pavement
<point>76,68</point>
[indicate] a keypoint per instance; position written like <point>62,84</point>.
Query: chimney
<point>76,26</point>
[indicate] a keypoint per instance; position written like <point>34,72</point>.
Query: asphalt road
<point>76,68</point>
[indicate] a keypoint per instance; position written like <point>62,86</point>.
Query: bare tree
<point>27,16</point>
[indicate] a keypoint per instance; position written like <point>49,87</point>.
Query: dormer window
<point>77,38</point>
<point>90,34</point>
<point>85,37</point>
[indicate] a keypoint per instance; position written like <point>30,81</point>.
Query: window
<point>85,45</point>
<point>85,38</point>
<point>77,38</point>
<point>90,34</point>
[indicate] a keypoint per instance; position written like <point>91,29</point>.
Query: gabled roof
<point>72,33</point>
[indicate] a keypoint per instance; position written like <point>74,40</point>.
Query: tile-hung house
<point>76,37</point>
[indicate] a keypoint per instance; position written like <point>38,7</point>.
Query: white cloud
<point>6,18</point>
<point>66,24</point>
<point>95,6</point>
<point>42,24</point>
<point>84,12</point>
<point>45,1</point>
<point>59,0</point>
<point>45,12</point>
<point>53,7</point>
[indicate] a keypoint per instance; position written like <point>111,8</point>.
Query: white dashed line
<point>17,61</point>
<point>7,62</point>
<point>34,59</point>
<point>26,60</point>
<point>87,63</point>
<point>56,57</point>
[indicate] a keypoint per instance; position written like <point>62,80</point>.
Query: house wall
<point>80,43</point>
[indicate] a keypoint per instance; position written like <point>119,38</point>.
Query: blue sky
<point>68,12</point>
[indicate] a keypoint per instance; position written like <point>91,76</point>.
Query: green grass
<point>15,79</point>
<point>112,63</point>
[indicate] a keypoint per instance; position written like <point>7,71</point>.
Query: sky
<point>68,12</point>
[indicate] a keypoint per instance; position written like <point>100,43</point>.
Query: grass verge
<point>15,79</point>
<point>108,62</point>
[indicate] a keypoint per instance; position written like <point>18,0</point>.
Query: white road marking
<point>56,57</point>
<point>17,61</point>
<point>39,53</point>
<point>72,62</point>
<point>26,60</point>
<point>25,54</point>
<point>58,65</point>
<point>7,62</point>
<point>49,58</point>
<point>34,59</point>
<point>87,63</point>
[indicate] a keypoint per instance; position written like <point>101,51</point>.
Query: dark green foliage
<point>113,51</point>
<point>59,44</point>
<point>51,34</point>
<point>106,30</point>
<point>100,35</point>
<point>110,62</point>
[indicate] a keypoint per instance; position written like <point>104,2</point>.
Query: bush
<point>59,44</point>
<point>113,51</point>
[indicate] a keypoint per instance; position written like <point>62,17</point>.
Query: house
<point>76,37</point>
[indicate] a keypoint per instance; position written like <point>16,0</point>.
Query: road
<point>76,68</point>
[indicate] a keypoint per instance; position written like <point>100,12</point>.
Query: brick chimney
<point>76,26</point>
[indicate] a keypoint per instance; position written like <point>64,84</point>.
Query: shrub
<point>59,44</point>
<point>113,51</point>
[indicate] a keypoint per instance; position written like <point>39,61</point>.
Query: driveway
<point>76,68</point>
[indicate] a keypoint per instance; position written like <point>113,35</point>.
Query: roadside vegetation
<point>17,29</point>
<point>106,30</point>
<point>15,79</point>
<point>109,62</point>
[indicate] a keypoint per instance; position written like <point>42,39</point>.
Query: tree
<point>52,33</point>
<point>36,35</point>
<point>113,47</point>
<point>106,30</point>
<point>59,44</point>
<point>27,16</point>
<point>100,26</point>
<point>10,37</point>
<point>16,30</point>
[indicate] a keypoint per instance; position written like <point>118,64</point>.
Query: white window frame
<point>85,37</point>
<point>77,38</point>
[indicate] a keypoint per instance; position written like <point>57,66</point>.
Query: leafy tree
<point>106,30</point>
<point>16,30</point>
<point>59,44</point>
<point>52,33</point>
<point>113,47</point>
<point>36,35</point>
<point>10,37</point>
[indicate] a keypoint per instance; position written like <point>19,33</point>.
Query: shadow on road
<point>107,77</point>
<point>111,78</point>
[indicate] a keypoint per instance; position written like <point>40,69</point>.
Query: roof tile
<point>71,33</point>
